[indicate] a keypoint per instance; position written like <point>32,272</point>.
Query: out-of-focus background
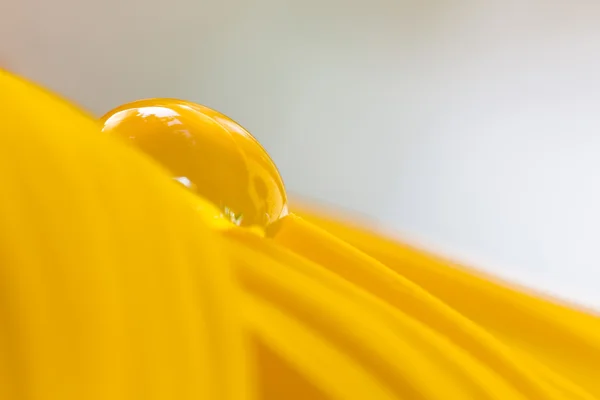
<point>469,127</point>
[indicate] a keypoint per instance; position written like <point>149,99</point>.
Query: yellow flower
<point>116,283</point>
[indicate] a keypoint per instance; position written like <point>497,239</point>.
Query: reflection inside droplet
<point>160,112</point>
<point>184,181</point>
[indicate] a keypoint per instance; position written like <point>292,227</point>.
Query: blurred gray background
<point>467,127</point>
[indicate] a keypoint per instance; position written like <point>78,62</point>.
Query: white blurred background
<point>469,127</point>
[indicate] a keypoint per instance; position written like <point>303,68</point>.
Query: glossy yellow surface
<point>116,284</point>
<point>113,282</point>
<point>543,348</point>
<point>207,152</point>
